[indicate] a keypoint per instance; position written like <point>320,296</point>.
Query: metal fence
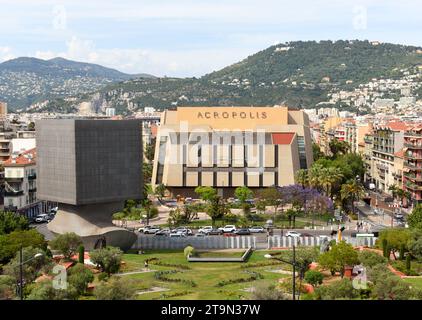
<point>285,242</point>
<point>214,242</point>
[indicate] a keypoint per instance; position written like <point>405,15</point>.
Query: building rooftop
<point>23,159</point>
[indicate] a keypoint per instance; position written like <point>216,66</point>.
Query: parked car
<point>41,218</point>
<point>177,235</point>
<point>398,216</point>
<point>293,234</point>
<point>214,232</point>
<point>149,229</point>
<point>184,230</point>
<point>162,233</point>
<point>242,232</point>
<point>205,229</point>
<point>228,228</point>
<point>256,229</point>
<point>200,235</point>
<point>54,210</point>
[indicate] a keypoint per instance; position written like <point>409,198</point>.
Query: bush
<point>79,277</point>
<point>115,288</point>
<point>371,259</point>
<point>267,292</point>
<point>45,291</point>
<point>341,289</point>
<point>162,276</point>
<point>189,251</point>
<point>103,276</point>
<point>253,276</point>
<point>314,278</point>
<point>108,259</point>
<point>67,244</point>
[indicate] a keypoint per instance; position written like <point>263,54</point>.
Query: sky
<point>186,38</point>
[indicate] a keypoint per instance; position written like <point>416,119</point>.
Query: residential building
<point>228,147</point>
<point>20,185</point>
<point>388,139</point>
<point>413,162</point>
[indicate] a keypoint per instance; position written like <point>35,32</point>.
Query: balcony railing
<point>413,156</point>
<point>13,194</point>
<point>412,177</point>
<point>413,166</point>
<point>413,134</point>
<point>413,186</point>
<point>413,146</point>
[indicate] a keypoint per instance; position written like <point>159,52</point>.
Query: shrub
<point>162,276</point>
<point>408,264</point>
<point>253,276</point>
<point>115,289</point>
<point>108,259</point>
<point>371,259</point>
<point>66,243</point>
<point>340,289</point>
<point>267,292</point>
<point>45,291</point>
<point>314,278</point>
<point>189,251</point>
<point>79,277</point>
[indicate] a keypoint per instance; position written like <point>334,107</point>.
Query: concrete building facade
<point>228,147</point>
<point>90,167</point>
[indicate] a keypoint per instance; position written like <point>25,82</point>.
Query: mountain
<point>300,74</point>
<point>24,81</point>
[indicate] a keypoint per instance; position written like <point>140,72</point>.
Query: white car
<point>228,228</point>
<point>42,218</point>
<point>177,235</point>
<point>149,230</point>
<point>256,230</point>
<point>184,230</point>
<point>205,229</point>
<point>293,234</point>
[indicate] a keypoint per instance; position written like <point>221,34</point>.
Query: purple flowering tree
<point>309,200</point>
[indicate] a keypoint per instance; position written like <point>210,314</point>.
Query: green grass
<point>221,254</point>
<point>205,275</point>
<point>416,282</point>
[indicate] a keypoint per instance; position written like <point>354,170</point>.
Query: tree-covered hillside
<point>300,74</point>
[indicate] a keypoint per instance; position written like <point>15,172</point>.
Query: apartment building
<point>227,147</point>
<point>388,140</point>
<point>20,184</point>
<point>412,176</point>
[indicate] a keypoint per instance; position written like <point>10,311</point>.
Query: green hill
<point>299,73</point>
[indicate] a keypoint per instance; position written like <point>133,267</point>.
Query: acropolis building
<point>227,147</point>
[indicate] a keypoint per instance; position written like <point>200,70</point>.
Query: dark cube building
<point>90,167</point>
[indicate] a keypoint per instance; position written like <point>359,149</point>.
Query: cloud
<point>157,62</point>
<point>6,54</point>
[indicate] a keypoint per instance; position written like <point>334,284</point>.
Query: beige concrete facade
<point>227,147</point>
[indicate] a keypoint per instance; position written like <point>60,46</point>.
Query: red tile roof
<point>399,154</point>
<point>397,125</point>
<point>22,159</point>
<point>283,138</point>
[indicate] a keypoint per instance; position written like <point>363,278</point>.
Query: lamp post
<point>294,264</point>
<point>21,263</point>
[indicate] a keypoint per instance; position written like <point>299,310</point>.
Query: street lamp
<point>21,263</point>
<point>294,264</point>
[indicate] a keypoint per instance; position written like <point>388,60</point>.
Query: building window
<point>302,152</point>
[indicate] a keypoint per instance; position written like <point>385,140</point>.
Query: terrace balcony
<point>13,194</point>
<point>413,186</point>
<point>413,146</point>
<point>413,166</point>
<point>413,177</point>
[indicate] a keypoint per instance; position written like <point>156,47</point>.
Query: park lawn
<point>221,253</point>
<point>205,275</point>
<point>416,282</point>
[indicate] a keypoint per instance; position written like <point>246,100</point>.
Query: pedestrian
<point>146,264</point>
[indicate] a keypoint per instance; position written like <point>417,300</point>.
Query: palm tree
<point>352,191</point>
<point>314,176</point>
<point>330,177</point>
<point>302,177</point>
